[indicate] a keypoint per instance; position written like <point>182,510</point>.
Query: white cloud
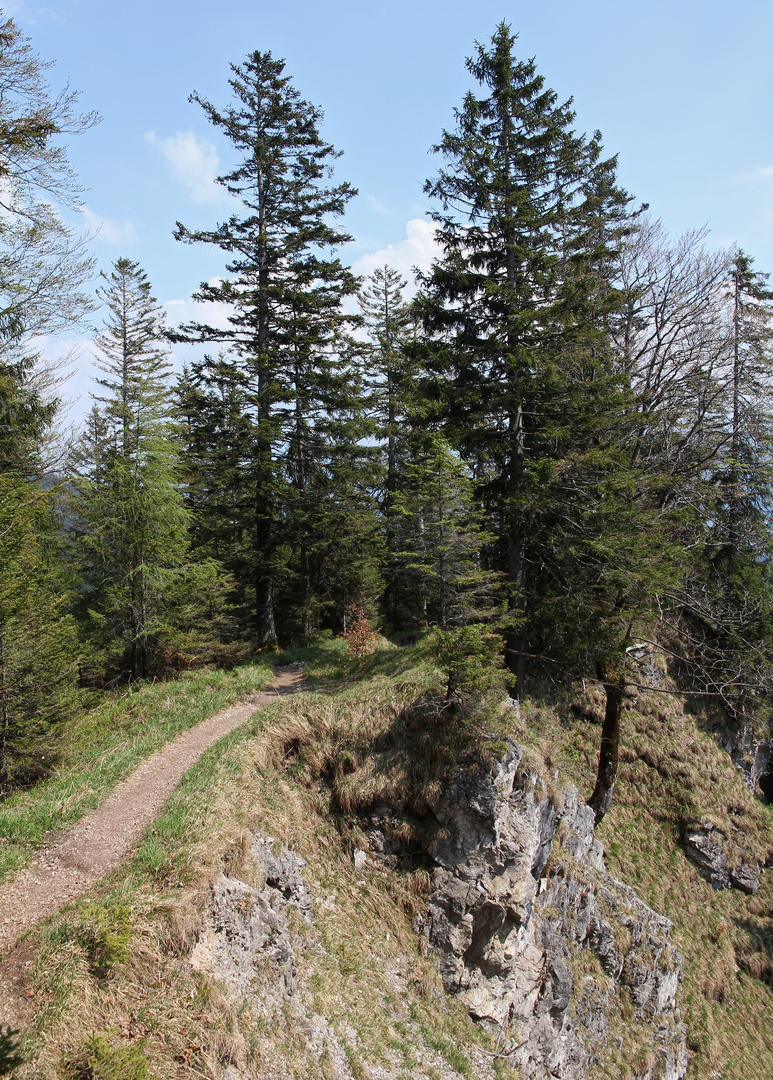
<point>108,231</point>
<point>17,9</point>
<point>762,173</point>
<point>190,310</point>
<point>192,161</point>
<point>418,250</point>
<point>377,205</point>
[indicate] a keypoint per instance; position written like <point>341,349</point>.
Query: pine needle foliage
<point>284,291</point>
<point>131,522</point>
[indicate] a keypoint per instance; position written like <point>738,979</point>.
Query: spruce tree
<point>519,312</point>
<point>726,599</point>
<point>38,646</point>
<point>438,541</point>
<point>284,288</point>
<point>390,400</point>
<point>747,483</point>
<point>216,433</point>
<point>131,519</point>
<point>515,308</point>
<point>43,267</point>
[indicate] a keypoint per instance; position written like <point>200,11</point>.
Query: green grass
<point>360,964</point>
<point>331,669</point>
<point>106,744</point>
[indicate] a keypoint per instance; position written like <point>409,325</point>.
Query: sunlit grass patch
<point>106,744</point>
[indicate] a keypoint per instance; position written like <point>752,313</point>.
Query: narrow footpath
<point>98,844</point>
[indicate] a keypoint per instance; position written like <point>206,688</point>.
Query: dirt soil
<point>98,843</point>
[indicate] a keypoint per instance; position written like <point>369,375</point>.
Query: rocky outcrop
<point>247,943</point>
<point>245,935</point>
<point>704,845</point>
<point>531,933</point>
<point>535,937</point>
<point>753,756</point>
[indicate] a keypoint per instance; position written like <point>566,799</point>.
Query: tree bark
<point>514,639</point>
<point>609,754</point>
<point>4,716</point>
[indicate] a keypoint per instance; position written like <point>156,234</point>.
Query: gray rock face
<point>244,935</point>
<point>535,936</point>
<point>704,846</point>
<point>750,753</point>
<point>283,872</point>
<point>245,940</point>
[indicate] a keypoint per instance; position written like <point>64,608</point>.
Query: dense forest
<point>553,448</point>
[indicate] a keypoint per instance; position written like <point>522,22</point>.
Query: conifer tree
<point>726,599</point>
<point>43,266</point>
<point>216,433</point>
<point>284,288</point>
<point>438,540</point>
<point>389,387</point>
<point>38,647</point>
<point>747,485</point>
<point>516,306</point>
<point>132,521</point>
<point>519,311</point>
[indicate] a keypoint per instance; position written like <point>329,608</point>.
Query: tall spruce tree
<point>390,400</point>
<point>747,484</point>
<point>518,311</point>
<point>132,523</point>
<point>284,289</point>
<point>515,307</point>
<point>726,599</point>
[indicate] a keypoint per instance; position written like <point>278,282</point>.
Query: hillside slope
<point>276,921</point>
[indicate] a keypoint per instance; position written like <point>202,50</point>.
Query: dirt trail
<point>98,843</point>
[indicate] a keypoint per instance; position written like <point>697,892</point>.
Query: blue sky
<point>681,91</point>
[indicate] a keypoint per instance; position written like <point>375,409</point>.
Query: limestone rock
<point>534,935</point>
<point>745,877</point>
<point>704,845</point>
<point>752,755</point>
<point>246,942</point>
<point>283,872</point>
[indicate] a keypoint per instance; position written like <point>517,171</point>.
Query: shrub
<point>360,638</point>
<point>470,657</point>
<point>103,1060</point>
<point>105,935</point>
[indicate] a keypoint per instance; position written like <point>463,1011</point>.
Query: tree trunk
<point>265,630</point>
<point>143,625</point>
<point>609,754</point>
<point>514,640</point>
<point>390,597</point>
<point>5,717</point>
<point>264,525</point>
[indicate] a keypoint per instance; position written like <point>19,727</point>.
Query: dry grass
<point>673,774</point>
<point>392,744</point>
<point>360,964</point>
